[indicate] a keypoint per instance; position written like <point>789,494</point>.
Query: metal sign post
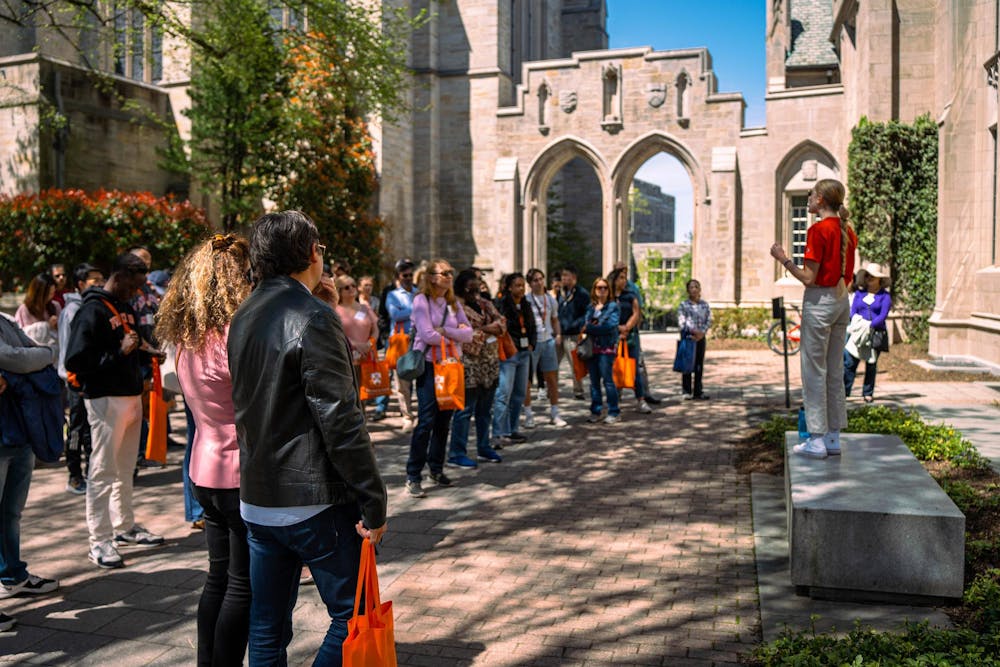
<point>778,313</point>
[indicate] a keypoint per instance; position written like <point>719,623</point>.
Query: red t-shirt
<point>823,247</point>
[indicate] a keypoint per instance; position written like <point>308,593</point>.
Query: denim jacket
<point>602,327</point>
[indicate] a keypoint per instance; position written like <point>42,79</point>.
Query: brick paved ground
<point>594,545</point>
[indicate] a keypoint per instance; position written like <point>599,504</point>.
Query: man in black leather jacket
<point>310,486</point>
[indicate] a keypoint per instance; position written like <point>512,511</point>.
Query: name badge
<point>523,343</point>
<point>361,316</point>
<point>491,339</point>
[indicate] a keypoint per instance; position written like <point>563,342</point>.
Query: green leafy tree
<point>660,295</point>
<point>892,180</point>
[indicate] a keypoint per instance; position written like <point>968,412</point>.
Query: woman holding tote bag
<point>437,317</point>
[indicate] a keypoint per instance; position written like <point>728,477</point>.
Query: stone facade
<point>515,99</point>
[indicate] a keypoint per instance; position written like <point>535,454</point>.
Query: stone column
<point>714,246</point>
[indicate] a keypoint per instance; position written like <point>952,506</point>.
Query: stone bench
<point>871,524</point>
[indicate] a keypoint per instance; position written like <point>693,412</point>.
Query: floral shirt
<point>482,364</point>
<point>694,316</point>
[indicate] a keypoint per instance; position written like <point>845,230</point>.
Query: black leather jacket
<point>300,425</point>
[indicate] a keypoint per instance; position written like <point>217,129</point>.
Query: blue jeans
<point>430,437</point>
<point>478,402</point>
<point>510,393</point>
<point>851,370</point>
<point>600,371</point>
<point>16,465</point>
<point>330,546</point>
<point>192,508</point>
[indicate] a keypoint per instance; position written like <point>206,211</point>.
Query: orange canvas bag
<point>449,379</point>
<point>156,441</point>
<point>506,348</point>
<point>399,344</point>
<point>370,638</point>
<point>580,369</point>
<point>374,380</point>
<point>623,370</point>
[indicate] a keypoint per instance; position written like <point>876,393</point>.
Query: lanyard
<point>544,311</point>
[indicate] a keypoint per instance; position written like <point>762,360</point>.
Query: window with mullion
<point>798,225</point>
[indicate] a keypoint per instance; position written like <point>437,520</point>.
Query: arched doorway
<point>566,214</point>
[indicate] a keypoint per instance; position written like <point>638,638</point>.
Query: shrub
<point>928,442</point>
<point>982,598</point>
<point>72,226</point>
<point>917,645</point>
<point>740,323</point>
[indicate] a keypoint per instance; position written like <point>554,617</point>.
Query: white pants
<point>115,425</point>
<point>824,330</point>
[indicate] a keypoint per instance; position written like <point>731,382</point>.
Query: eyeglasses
<point>406,275</point>
<point>446,274</point>
<point>351,286</point>
<point>321,248</point>
<point>604,287</point>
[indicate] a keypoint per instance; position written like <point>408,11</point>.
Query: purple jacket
<point>426,316</point>
<point>876,312</point>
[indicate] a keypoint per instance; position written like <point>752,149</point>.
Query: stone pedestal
<point>871,524</point>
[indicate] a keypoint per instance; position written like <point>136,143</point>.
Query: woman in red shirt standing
<point>826,309</point>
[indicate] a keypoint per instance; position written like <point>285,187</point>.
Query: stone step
<point>871,524</point>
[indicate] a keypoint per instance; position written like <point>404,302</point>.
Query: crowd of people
<point>275,458</point>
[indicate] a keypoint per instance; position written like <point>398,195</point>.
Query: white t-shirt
<point>543,307</point>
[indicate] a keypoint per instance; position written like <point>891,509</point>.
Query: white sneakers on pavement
<point>813,448</point>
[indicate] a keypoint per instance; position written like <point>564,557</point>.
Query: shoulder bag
<point>412,364</point>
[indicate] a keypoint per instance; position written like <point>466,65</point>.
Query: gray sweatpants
<point>824,329</point>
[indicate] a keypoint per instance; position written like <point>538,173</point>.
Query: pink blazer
<point>208,392</point>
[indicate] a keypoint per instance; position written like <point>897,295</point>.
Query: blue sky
<point>733,32</point>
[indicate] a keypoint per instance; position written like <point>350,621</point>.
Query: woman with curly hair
<point>194,316</point>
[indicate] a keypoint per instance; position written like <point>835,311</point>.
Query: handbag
<point>449,379</point>
<point>684,358</point>
<point>374,379</point>
<point>585,348</point>
<point>370,640</point>
<point>156,441</point>
<point>880,340</point>
<point>506,348</point>
<point>411,365</point>
<point>398,343</point>
<point>623,371</point>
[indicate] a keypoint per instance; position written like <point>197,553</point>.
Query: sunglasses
<point>604,287</point>
<point>321,248</point>
<point>446,274</point>
<point>351,286</point>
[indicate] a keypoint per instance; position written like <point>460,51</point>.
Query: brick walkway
<point>594,545</point>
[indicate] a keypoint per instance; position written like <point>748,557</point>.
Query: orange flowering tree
<point>73,226</point>
<point>323,163</point>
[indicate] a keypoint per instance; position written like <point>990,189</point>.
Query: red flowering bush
<point>73,226</point>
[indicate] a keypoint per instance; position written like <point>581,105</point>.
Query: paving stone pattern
<point>629,544</point>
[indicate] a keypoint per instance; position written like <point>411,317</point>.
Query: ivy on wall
<point>892,184</point>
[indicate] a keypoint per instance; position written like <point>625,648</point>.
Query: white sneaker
<point>643,407</point>
<point>105,555</point>
<point>813,448</point>
<point>408,425</point>
<point>540,395</point>
<point>559,422</point>
<point>832,443</point>
<point>611,419</point>
<point>529,420</point>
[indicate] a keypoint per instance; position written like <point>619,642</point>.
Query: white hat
<point>875,270</point>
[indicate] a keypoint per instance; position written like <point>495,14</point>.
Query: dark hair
<point>52,267</point>
<point>128,263</point>
<point>569,268</point>
<point>404,265</point>
<point>37,296</point>
<point>281,244</point>
<point>81,272</point>
<point>687,285</point>
<point>612,279</point>
<point>532,273</point>
<point>462,280</point>
<point>509,279</point>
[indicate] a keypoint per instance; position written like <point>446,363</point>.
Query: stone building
<point>518,101</point>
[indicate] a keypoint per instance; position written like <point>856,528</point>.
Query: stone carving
<point>567,100</point>
<point>656,94</point>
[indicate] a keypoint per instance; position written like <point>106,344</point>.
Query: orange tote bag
<point>623,370</point>
<point>156,441</point>
<point>449,379</point>
<point>374,375</point>
<point>370,635</point>
<point>399,344</point>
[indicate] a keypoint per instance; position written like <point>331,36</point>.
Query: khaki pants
<point>824,330</point>
<point>404,391</point>
<point>115,423</point>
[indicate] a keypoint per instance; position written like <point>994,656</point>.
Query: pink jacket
<point>208,392</point>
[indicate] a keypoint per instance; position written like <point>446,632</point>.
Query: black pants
<point>224,608</point>
<point>699,366</point>
<point>77,434</point>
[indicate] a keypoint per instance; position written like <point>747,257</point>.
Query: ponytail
<point>845,239</point>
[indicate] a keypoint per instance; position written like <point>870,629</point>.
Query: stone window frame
<point>138,45</point>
